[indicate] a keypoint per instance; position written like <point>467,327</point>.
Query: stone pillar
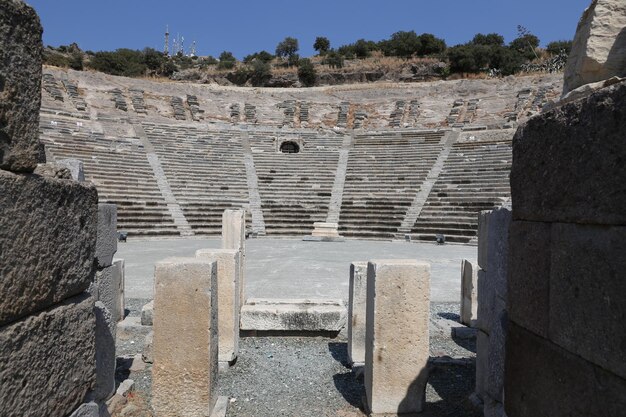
<point>234,237</point>
<point>185,338</point>
<point>397,336</point>
<point>228,269</point>
<point>491,320</point>
<point>357,296</point>
<point>566,345</point>
<point>469,285</point>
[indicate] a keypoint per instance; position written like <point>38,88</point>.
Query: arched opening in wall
<point>289,147</point>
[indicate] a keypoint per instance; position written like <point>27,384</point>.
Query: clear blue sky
<point>247,26</point>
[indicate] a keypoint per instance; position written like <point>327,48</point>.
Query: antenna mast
<point>166,47</point>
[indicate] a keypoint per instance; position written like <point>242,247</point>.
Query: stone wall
<point>47,247</point>
<point>565,351</point>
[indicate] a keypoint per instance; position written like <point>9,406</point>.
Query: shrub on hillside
<point>261,73</point>
<point>227,60</point>
<point>125,62</point>
<point>306,72</point>
<point>262,56</point>
<point>558,47</point>
<point>333,59</point>
<point>287,48</point>
<point>321,45</point>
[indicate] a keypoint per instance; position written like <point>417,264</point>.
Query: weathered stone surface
<point>119,276</point>
<point>497,341</point>
<point>38,213</point>
<point>588,293</point>
<point>482,364</point>
<point>599,47</point>
<point>228,297</point>
<point>21,50</point>
<point>483,238</point>
<point>86,410</point>
<point>293,314</point>
<point>545,380</point>
<point>185,337</point>
<point>357,300</point>
<point>105,353</point>
<point>397,335</point>
<point>469,293</point>
<point>486,299</point>
<point>529,276</point>
<point>147,314</point>
<point>131,329</point>
<point>147,355</point>
<point>75,167</point>
<point>568,163</point>
<point>498,249</point>
<point>234,237</point>
<point>47,360</point>
<point>106,245</point>
<point>108,289</point>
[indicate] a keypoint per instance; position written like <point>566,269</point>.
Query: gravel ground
<point>310,376</point>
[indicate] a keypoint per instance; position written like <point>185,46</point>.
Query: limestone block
<point>397,335</point>
<point>106,245</point>
<point>588,293</point>
<point>482,364</point>
<point>108,289</point>
<point>21,50</point>
<point>119,277</point>
<point>599,46</point>
<point>131,329</point>
<point>228,298</point>
<point>47,360</point>
<point>568,163</point>
<point>47,242</point>
<point>147,314</point>
<point>483,238</point>
<point>234,237</point>
<point>497,341</point>
<point>86,410</point>
<point>185,338</point>
<point>293,314</point>
<point>546,380</point>
<point>498,249</point>
<point>325,229</point>
<point>75,167</point>
<point>486,298</point>
<point>529,275</point>
<point>357,300</point>
<point>469,291</point>
<point>105,354</point>
<point>147,356</point>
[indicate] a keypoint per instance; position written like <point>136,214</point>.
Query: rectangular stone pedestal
<point>234,237</point>
<point>469,287</point>
<point>185,338</point>
<point>357,297</point>
<point>397,336</point>
<point>228,262</point>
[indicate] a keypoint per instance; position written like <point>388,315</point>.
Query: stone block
<point>357,300</point>
<point>131,329</point>
<point>543,379</point>
<point>469,291</point>
<point>483,238</point>
<point>107,287</point>
<point>234,237</point>
<point>106,244</point>
<point>293,314</point>
<point>105,354</point>
<point>228,298</point>
<point>47,242</point>
<point>21,51</point>
<point>47,360</point>
<point>397,335</point>
<point>497,341</point>
<point>486,298</point>
<point>185,337</point>
<point>588,293</point>
<point>147,356</point>
<point>529,275</point>
<point>75,167</point>
<point>568,163</point>
<point>147,314</point>
<point>498,249</point>
<point>599,46</point>
<point>87,410</point>
<point>325,229</point>
<point>482,364</point>
<point>119,276</point>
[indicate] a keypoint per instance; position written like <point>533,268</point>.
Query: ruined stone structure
<point>566,295</point>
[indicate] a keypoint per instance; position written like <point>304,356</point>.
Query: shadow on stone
<point>339,352</point>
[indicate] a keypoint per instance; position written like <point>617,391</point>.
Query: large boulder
<point>599,48</point>
<point>20,86</point>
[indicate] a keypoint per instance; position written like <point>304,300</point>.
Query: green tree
<point>287,48</point>
<point>556,47</point>
<point>306,72</point>
<point>525,44</point>
<point>76,61</point>
<point>402,44</point>
<point>227,60</point>
<point>321,45</point>
<point>490,39</point>
<point>262,56</point>
<point>333,59</point>
<point>125,62</point>
<point>429,44</point>
<point>261,73</point>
